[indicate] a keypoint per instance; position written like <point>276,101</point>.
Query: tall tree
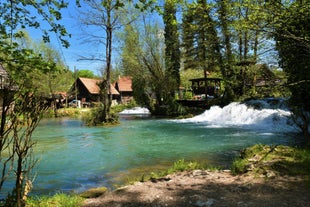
<point>105,15</point>
<point>225,22</point>
<point>132,63</point>
<point>200,39</point>
<point>146,64</point>
<point>172,46</point>
<point>131,47</point>
<point>188,40</point>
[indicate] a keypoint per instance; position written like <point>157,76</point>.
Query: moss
<point>94,192</point>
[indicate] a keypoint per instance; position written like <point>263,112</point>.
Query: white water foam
<point>135,110</point>
<point>241,115</point>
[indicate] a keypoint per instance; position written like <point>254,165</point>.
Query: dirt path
<point>206,188</point>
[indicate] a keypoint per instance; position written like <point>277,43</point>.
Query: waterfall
<point>135,110</point>
<point>270,115</point>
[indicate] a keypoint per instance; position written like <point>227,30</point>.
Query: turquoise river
<point>74,157</point>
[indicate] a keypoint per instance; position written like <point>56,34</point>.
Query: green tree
<point>85,74</point>
<point>133,66</point>
<point>21,105</point>
<point>224,11</point>
<point>145,62</point>
<point>172,47</point>
<point>52,80</point>
<point>200,38</point>
<point>188,40</point>
<point>131,47</point>
<point>292,33</point>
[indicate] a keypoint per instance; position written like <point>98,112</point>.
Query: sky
<point>77,48</point>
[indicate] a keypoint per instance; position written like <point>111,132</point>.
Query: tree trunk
<point>255,48</point>
<point>108,74</point>
<point>240,46</point>
<point>19,182</point>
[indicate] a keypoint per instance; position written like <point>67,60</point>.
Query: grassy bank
<point>58,200</point>
<point>178,166</point>
<point>273,161</point>
<point>67,112</point>
<point>261,160</point>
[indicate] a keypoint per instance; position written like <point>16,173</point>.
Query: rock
<point>94,192</point>
<point>199,172</point>
<point>270,174</point>
<point>207,203</point>
<point>256,158</point>
<point>249,167</point>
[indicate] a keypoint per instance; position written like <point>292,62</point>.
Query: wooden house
<point>87,90</point>
<point>202,89</point>
<point>7,89</point>
<point>124,86</point>
<point>206,86</point>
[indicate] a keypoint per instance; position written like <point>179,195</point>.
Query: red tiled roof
<point>124,84</point>
<point>93,88</point>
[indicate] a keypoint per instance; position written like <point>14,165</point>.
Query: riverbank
<point>209,188</point>
<point>263,176</point>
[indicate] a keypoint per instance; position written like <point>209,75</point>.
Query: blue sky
<point>77,49</point>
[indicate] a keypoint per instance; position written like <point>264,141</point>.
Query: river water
<point>74,157</point>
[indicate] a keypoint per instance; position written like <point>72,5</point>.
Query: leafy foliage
<point>21,103</point>
<point>292,35</point>
<point>17,14</point>
<point>172,46</point>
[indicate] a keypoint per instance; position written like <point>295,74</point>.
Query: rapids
<point>262,115</point>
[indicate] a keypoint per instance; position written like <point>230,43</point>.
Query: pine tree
<point>172,49</point>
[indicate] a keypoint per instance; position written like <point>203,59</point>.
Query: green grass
<point>282,160</point>
<point>67,112</point>
<point>58,200</point>
<point>178,166</point>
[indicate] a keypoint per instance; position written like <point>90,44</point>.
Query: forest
<point>229,39</point>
